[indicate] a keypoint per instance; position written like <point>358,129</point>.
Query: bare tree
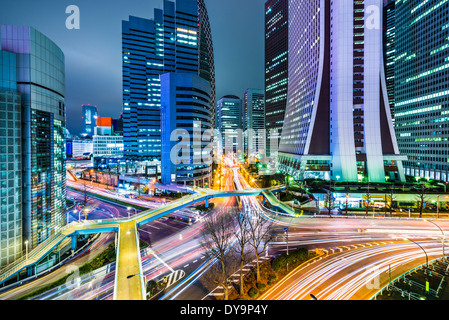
<point>216,240</point>
<point>392,198</point>
<point>367,201</point>
<point>421,197</point>
<point>329,202</point>
<point>85,200</point>
<point>260,235</point>
<point>243,239</point>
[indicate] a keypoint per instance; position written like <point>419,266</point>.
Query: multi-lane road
<point>176,246</point>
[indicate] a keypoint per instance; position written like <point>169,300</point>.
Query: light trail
<point>349,275</point>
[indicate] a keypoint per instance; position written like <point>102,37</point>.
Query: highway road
<point>175,246</point>
<point>355,274</point>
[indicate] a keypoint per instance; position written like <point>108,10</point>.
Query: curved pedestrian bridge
<point>129,283</point>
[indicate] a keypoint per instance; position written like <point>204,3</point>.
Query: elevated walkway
<point>129,284</point>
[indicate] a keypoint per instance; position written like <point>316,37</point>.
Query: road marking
<point>195,261</point>
<point>157,257</point>
<point>174,277</point>
<point>186,266</point>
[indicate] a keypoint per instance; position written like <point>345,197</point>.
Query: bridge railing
<point>374,297</point>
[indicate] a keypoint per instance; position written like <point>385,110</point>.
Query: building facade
<point>422,87</point>
<point>90,115</point>
<point>178,39</point>
<point>389,27</point>
<point>276,69</point>
<point>187,130</point>
<point>338,124</point>
<point>39,67</point>
<point>254,123</point>
<point>229,123</point>
<point>106,143</point>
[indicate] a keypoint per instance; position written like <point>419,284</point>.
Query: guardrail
<point>403,277</point>
<point>12,285</point>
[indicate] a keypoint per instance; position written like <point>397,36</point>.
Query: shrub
<point>253,293</point>
<point>261,286</point>
<point>272,277</point>
<point>293,257</point>
<point>279,262</point>
<point>269,283</point>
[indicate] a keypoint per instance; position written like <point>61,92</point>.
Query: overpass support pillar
<point>74,243</point>
<point>207,203</point>
<point>31,270</point>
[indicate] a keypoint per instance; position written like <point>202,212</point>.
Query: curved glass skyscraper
<point>36,81</point>
<point>337,122</point>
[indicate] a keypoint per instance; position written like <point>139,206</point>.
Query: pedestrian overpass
<point>129,283</point>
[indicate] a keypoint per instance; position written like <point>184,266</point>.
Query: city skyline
<point>93,53</point>
<point>188,195</point>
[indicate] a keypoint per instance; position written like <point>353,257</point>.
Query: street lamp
<point>26,249</point>
<point>427,258</point>
<point>129,209</point>
<point>442,232</point>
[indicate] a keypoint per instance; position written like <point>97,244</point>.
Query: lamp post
<point>129,209</point>
<point>443,235</point>
<point>26,249</point>
<point>427,258</point>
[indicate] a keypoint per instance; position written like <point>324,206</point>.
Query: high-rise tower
<point>229,120</point>
<point>177,39</point>
<point>276,68</point>
<point>32,148</point>
<point>338,124</point>
<point>422,86</point>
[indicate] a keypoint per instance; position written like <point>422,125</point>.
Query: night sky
<point>93,53</point>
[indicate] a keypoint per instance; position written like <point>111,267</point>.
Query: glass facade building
<point>254,122</point>
<point>90,115</point>
<point>229,122</point>
<point>187,130</point>
<point>389,27</point>
<point>177,39</point>
<point>337,122</point>
<point>422,86</point>
<point>276,68</point>
<point>40,83</point>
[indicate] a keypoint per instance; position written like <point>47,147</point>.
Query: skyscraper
<point>389,28</point>
<point>89,115</point>
<point>422,86</point>
<point>228,121</point>
<point>254,122</point>
<point>186,115</point>
<point>32,146</point>
<point>276,67</point>
<point>338,124</point>
<point>178,39</point>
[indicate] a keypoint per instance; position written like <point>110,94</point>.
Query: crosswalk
<point>174,277</point>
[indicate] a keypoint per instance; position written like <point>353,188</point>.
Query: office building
<point>106,143</point>
<point>177,39</point>
<point>117,125</point>
<point>82,149</point>
<point>389,27</point>
<point>254,123</point>
<point>32,145</point>
<point>187,130</point>
<point>338,124</point>
<point>90,114</point>
<point>229,123</point>
<point>276,69</point>
<point>422,87</point>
